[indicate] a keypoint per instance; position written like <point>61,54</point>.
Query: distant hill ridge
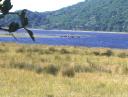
<point>98,15</point>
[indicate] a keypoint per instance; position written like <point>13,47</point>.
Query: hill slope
<point>105,15</point>
<point>108,15</point>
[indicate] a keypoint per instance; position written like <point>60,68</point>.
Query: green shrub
<point>24,66</point>
<point>96,53</point>
<point>38,69</point>
<point>3,50</point>
<point>48,52</point>
<point>20,50</point>
<point>68,70</point>
<point>50,95</point>
<point>64,51</point>
<point>52,49</point>
<point>51,69</point>
<point>122,55</point>
<point>108,53</point>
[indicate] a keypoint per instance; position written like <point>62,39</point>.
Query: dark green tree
<point>5,7</point>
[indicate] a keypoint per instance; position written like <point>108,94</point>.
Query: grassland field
<point>30,70</point>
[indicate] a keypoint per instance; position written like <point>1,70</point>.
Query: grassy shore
<point>60,71</point>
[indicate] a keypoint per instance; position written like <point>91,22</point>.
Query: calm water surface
<point>88,39</point>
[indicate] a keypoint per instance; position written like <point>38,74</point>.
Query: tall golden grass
<point>38,57</point>
<point>62,71</point>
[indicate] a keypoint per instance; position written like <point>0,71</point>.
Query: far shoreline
<point>113,32</point>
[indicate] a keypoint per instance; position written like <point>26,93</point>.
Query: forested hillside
<point>104,15</point>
